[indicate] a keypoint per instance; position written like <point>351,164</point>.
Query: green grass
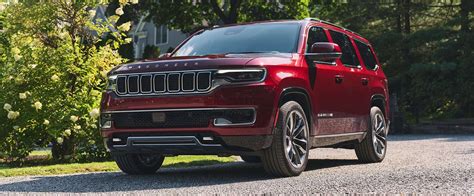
<point>179,161</point>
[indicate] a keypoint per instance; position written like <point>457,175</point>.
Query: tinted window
<point>367,55</point>
<point>349,56</point>
<point>268,37</point>
<point>315,34</point>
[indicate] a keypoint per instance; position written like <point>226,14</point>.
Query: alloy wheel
<point>296,139</point>
<point>379,135</point>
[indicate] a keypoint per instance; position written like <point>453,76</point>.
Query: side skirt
<point>335,139</point>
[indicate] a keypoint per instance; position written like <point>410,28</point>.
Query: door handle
<point>339,78</point>
<point>365,81</point>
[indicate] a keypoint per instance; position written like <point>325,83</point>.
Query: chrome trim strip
<point>182,81</point>
<point>151,83</point>
<point>196,141</point>
<point>168,82</point>
<point>164,83</point>
<point>126,86</point>
<point>340,135</point>
<point>209,83</point>
<point>138,84</point>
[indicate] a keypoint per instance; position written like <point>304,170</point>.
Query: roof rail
<point>332,24</point>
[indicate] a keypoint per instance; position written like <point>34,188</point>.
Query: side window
<point>349,56</point>
<point>367,55</point>
<point>315,34</point>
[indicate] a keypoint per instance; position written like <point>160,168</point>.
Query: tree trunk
<point>466,7</point>
<point>64,151</point>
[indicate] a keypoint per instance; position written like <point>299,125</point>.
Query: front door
<point>327,85</point>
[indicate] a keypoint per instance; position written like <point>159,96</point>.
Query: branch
<point>233,13</point>
<point>219,11</point>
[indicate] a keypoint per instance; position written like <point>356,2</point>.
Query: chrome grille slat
<point>164,83</point>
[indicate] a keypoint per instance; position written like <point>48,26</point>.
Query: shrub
<point>53,67</point>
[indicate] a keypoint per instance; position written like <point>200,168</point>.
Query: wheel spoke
<point>296,138</point>
<point>291,123</point>
<point>298,131</point>
<point>303,141</point>
<point>381,138</point>
<point>300,148</point>
<point>297,156</point>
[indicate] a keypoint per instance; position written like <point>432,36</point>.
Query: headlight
<point>241,75</point>
<point>112,82</point>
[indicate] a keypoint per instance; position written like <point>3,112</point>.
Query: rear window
<point>349,56</point>
<point>367,55</point>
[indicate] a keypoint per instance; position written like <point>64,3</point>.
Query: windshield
<point>252,38</point>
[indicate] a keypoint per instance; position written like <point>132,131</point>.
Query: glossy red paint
<point>336,107</point>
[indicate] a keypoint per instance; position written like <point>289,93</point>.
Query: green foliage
<point>151,52</point>
<point>425,47</point>
<point>190,15</point>
<point>53,67</point>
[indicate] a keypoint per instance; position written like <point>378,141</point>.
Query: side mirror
<point>165,55</point>
<point>324,52</point>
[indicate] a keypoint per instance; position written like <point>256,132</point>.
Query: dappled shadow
<point>225,173</point>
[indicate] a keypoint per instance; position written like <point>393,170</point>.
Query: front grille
<point>164,83</point>
<point>181,119</point>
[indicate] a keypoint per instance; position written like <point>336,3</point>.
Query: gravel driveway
<point>414,164</point>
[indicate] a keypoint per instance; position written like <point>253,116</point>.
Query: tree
<point>191,15</point>
<point>425,48</point>
<point>53,68</point>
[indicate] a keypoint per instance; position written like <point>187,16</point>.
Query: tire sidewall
<point>281,132</point>
<point>373,112</point>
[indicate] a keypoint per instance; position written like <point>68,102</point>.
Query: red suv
<point>267,91</point>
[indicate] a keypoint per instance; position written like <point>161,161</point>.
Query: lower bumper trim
<point>191,145</point>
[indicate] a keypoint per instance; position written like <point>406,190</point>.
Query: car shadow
<point>166,178</point>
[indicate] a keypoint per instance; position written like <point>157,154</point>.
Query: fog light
<point>207,138</point>
<point>116,139</point>
<point>107,125</point>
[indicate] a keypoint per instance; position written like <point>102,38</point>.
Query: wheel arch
<point>301,97</point>
<point>379,100</point>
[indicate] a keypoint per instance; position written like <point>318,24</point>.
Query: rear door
<point>355,107</point>
<point>327,88</point>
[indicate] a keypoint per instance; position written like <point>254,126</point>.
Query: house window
<point>161,35</point>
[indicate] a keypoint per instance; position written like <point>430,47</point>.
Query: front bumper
<point>191,144</point>
<point>241,136</point>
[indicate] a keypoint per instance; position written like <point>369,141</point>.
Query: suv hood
<point>192,63</point>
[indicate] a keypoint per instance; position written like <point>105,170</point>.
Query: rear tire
<point>374,146</point>
<point>251,159</point>
<point>139,164</point>
<point>288,154</point>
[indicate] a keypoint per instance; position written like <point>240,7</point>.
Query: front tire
<point>136,164</point>
<point>288,154</point>
<point>374,146</point>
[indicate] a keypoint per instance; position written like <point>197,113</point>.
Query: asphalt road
<point>414,164</point>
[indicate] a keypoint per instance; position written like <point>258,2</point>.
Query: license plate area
<point>158,117</point>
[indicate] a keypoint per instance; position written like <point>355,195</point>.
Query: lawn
<point>179,161</point>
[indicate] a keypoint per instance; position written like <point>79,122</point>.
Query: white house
<point>147,33</point>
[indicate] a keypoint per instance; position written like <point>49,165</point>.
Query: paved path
<point>414,164</point>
